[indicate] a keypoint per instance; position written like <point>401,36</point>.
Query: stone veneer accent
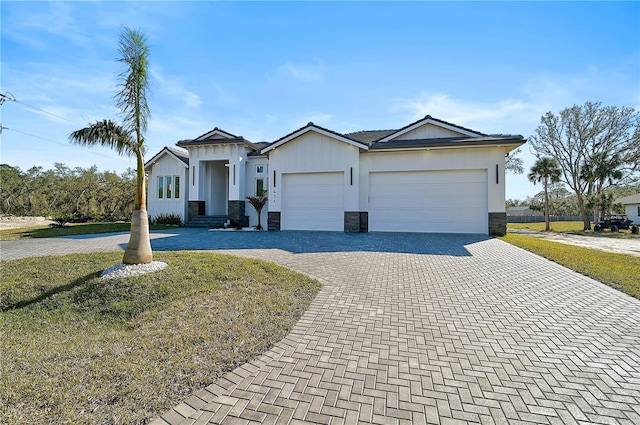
<point>356,221</point>
<point>498,223</point>
<point>364,221</point>
<point>195,209</point>
<point>273,220</point>
<point>237,216</point>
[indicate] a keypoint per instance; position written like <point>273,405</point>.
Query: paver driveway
<point>415,328</point>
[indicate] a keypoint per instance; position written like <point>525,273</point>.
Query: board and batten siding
<point>434,160</point>
<point>313,152</point>
<point>168,166</point>
<point>428,131</point>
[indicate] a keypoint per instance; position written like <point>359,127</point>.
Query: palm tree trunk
<point>139,247</point>
<point>546,206</point>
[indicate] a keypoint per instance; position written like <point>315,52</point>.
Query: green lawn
<point>80,349</point>
<point>555,226</point>
<point>68,230</point>
<point>619,271</point>
<point>575,227</point>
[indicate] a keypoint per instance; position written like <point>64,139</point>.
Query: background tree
<point>581,134</point>
<point>79,194</point>
<point>14,192</point>
<point>547,171</point>
<point>128,139</point>
<point>513,163</point>
<point>601,170</point>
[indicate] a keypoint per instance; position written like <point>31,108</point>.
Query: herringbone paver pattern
<point>498,336</point>
<point>428,329</point>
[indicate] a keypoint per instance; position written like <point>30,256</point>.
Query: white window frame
<point>264,185</point>
<point>260,169</point>
<point>168,189</point>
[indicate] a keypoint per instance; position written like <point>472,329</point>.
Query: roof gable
<point>216,133</point>
<point>217,136</point>
<point>180,156</point>
<point>312,127</point>
<point>434,127</point>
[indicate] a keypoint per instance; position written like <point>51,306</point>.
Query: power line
<point>49,113</point>
<point>57,143</point>
<point>12,98</point>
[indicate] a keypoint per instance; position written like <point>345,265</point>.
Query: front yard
<point>80,349</point>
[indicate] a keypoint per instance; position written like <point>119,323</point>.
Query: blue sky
<point>264,69</point>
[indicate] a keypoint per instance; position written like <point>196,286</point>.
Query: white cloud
<point>304,72</point>
<point>55,19</point>
<point>173,87</point>
<point>480,116</point>
<point>521,112</point>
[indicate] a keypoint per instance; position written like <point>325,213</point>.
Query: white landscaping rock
<point>126,270</point>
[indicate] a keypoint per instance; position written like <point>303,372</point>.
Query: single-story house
<point>632,207</point>
<point>523,211</point>
<point>428,176</point>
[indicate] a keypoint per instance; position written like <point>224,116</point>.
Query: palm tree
<point>127,138</point>
<point>598,170</point>
<point>547,171</point>
<point>258,202</point>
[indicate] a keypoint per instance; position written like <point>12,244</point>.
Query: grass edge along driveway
<point>82,349</point>
<point>619,271</point>
<point>70,230</point>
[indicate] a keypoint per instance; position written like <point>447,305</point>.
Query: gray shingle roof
<point>448,142</point>
<point>182,155</point>
<point>627,200</point>
<point>369,136</point>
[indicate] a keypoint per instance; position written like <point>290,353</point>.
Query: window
<point>168,187</point>
<point>259,169</point>
<point>161,187</point>
<point>638,210</point>
<point>259,187</point>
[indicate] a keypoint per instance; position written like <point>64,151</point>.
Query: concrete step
<point>209,221</point>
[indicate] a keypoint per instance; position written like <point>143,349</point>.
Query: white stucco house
<point>429,176</point>
<point>632,207</point>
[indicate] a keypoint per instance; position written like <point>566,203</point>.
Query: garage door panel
<point>428,201</point>
<point>313,201</point>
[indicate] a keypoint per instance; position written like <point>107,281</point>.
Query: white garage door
<point>429,201</point>
<point>313,201</point>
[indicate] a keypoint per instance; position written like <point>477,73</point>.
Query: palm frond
<point>105,133</point>
<point>134,82</point>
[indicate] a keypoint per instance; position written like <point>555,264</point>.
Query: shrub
<point>60,221</point>
<point>167,219</point>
